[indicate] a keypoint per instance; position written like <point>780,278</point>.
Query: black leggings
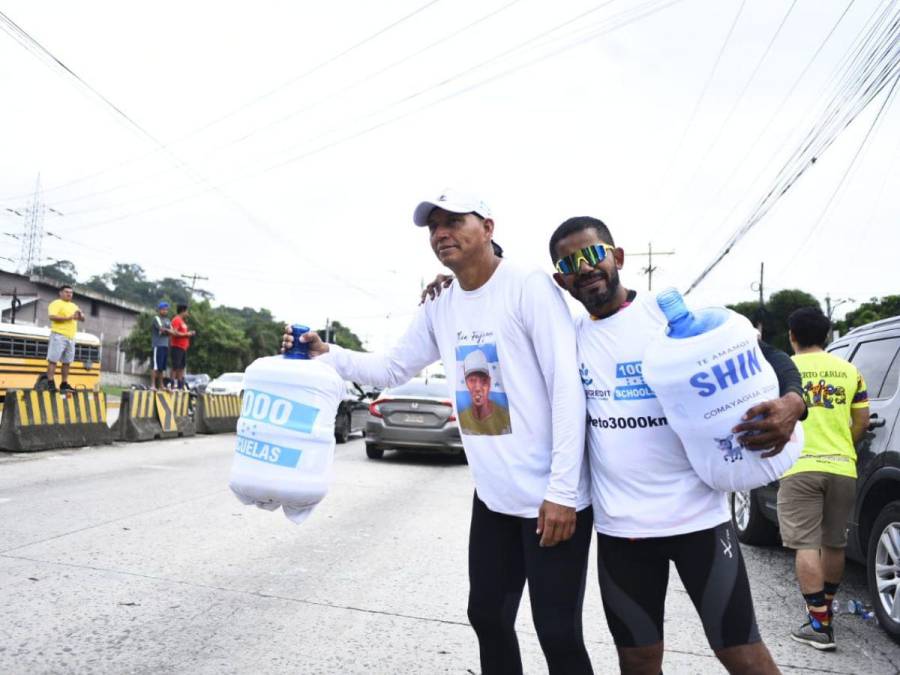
<point>634,574</point>
<point>503,553</point>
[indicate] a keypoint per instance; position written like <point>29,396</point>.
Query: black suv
<point>874,534</point>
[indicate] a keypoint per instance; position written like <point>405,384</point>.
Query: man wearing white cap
<point>531,514</point>
<point>484,416</point>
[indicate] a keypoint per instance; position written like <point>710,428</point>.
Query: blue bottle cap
<point>672,304</point>
<point>299,350</point>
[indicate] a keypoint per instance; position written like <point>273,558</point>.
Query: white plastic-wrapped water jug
<point>285,435</point>
<point>707,370</point>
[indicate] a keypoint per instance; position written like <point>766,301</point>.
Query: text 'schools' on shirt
<point>509,352</point>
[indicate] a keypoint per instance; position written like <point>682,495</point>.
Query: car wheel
<point>883,568</point>
<point>342,428</point>
<point>751,525</point>
<point>374,452</point>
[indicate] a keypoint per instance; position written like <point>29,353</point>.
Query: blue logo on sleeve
<point>265,452</point>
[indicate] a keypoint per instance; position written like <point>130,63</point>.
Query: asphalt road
<point>137,559</point>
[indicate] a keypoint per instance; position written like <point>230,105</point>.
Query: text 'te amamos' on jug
<point>707,371</point>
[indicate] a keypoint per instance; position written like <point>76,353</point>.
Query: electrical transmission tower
<point>33,234</point>
<point>31,239</point>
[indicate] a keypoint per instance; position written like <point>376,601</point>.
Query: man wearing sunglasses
<point>650,508</point>
<point>522,426</point>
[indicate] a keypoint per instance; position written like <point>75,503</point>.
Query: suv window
<point>892,381</point>
<point>840,351</point>
<point>873,359</point>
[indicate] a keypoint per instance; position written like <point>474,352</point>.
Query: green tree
<point>262,330</point>
<point>129,282</point>
<point>874,310</point>
<point>62,270</point>
<point>220,344</point>
<point>775,314</point>
<point>342,336</point>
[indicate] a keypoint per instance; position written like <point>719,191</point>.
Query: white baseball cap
<point>476,362</point>
<point>453,201</point>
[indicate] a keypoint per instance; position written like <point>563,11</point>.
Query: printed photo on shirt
<point>480,398</point>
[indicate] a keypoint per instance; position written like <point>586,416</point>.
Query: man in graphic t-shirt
<point>650,507</point>
<point>531,514</point>
<point>817,494</point>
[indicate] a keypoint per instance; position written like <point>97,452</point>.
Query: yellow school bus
<point>23,357</point>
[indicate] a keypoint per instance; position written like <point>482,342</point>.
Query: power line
<point>874,64</point>
<point>740,97</point>
<point>262,225</point>
<point>648,9</point>
<point>245,136</point>
<point>875,121</point>
<point>738,164</point>
<point>709,78</point>
<point>27,40</point>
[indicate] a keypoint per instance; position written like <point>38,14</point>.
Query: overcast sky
<point>299,137</point>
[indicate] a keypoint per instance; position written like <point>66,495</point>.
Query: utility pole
<point>327,330</point>
<point>651,268</point>
<point>16,302</point>
<point>194,279</point>
<point>829,312</point>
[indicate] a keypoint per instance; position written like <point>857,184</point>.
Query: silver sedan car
<point>416,417</point>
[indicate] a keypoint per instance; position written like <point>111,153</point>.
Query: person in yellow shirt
<point>64,316</point>
<point>817,494</point>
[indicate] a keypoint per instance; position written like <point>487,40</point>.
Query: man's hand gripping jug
<point>285,435</point>
<point>707,370</point>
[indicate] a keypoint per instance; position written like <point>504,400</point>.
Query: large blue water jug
<point>706,369</point>
<point>285,435</point>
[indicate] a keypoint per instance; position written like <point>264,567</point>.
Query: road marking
<point>161,467</point>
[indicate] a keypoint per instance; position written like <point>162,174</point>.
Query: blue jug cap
<point>672,304</point>
<point>299,350</point>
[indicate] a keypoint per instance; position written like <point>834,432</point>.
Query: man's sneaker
<point>821,638</point>
<point>51,385</point>
<point>65,387</point>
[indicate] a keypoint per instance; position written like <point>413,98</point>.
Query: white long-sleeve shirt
<point>526,443</point>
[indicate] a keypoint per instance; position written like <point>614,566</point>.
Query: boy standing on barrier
<point>817,494</point>
<point>179,343</point>
<point>64,316</point>
<point>531,513</point>
<point>160,330</point>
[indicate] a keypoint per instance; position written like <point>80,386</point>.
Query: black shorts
<point>634,574</point>
<point>178,357</point>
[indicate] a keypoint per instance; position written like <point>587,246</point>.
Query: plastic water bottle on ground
<point>707,370</point>
<point>285,435</point>
<point>859,608</point>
